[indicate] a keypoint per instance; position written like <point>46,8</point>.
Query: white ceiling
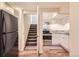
<point>32,5</point>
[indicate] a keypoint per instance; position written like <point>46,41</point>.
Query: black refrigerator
<point>8,31</point>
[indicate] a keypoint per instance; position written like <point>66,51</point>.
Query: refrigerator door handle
<point>3,42</point>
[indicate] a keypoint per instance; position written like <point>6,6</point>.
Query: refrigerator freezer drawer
<point>9,40</point>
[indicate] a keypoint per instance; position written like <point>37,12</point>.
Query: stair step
<point>33,26</point>
<point>31,44</point>
<point>31,47</point>
<point>32,34</point>
<point>31,40</point>
<point>31,37</point>
<point>33,30</point>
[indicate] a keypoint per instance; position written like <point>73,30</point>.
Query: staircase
<point>32,39</point>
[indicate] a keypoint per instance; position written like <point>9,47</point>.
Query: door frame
<point>39,32</point>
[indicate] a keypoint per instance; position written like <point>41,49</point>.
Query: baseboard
<point>64,48</point>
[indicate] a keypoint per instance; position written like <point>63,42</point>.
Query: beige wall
<point>64,9</point>
<point>23,27</point>
<point>39,31</point>
<point>74,29</point>
<point>26,26</point>
<point>21,31</point>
